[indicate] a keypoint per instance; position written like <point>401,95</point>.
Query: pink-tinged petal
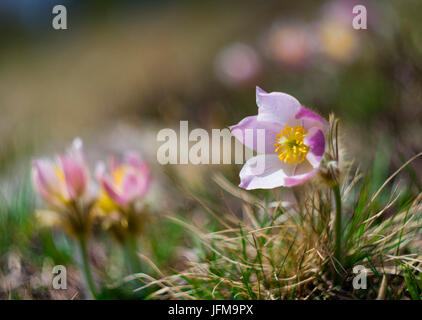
<point>270,131</point>
<point>132,186</point>
<point>114,194</point>
<point>299,179</point>
<point>263,172</point>
<point>134,160</point>
<point>40,184</point>
<point>77,155</point>
<point>275,174</point>
<point>277,107</point>
<point>100,170</point>
<point>76,150</point>
<point>75,169</point>
<point>75,176</point>
<point>143,173</point>
<point>133,179</point>
<point>114,163</point>
<point>300,174</point>
<point>46,181</point>
<point>44,173</point>
<point>311,119</point>
<point>142,184</point>
<point>316,141</point>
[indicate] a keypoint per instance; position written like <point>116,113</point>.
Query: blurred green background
<point>123,70</point>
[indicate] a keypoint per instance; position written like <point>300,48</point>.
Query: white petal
<point>277,107</point>
<point>264,172</point>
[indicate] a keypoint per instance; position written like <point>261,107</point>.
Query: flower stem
<point>85,267</point>
<point>131,248</point>
<point>338,254</point>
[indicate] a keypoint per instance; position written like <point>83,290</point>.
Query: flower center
<point>118,175</point>
<point>104,200</point>
<point>59,173</point>
<point>289,145</point>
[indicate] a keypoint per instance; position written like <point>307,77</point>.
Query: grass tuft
<point>278,250</point>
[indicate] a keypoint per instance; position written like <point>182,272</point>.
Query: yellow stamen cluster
<point>289,145</point>
<point>104,201</point>
<point>118,175</point>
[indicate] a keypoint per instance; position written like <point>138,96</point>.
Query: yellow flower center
<point>118,175</point>
<point>104,201</point>
<point>289,145</point>
<point>60,191</point>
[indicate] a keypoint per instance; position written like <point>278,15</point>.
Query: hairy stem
<point>338,254</point>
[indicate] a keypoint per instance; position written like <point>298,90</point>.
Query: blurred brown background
<point>125,69</point>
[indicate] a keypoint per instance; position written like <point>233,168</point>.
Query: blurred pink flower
<point>290,44</point>
<point>337,41</point>
<point>294,142</point>
<point>126,182</point>
<point>342,11</point>
<point>337,38</point>
<point>237,64</point>
<point>339,10</point>
<point>63,180</point>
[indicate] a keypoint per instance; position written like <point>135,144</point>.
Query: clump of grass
<point>16,218</point>
<point>278,250</point>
